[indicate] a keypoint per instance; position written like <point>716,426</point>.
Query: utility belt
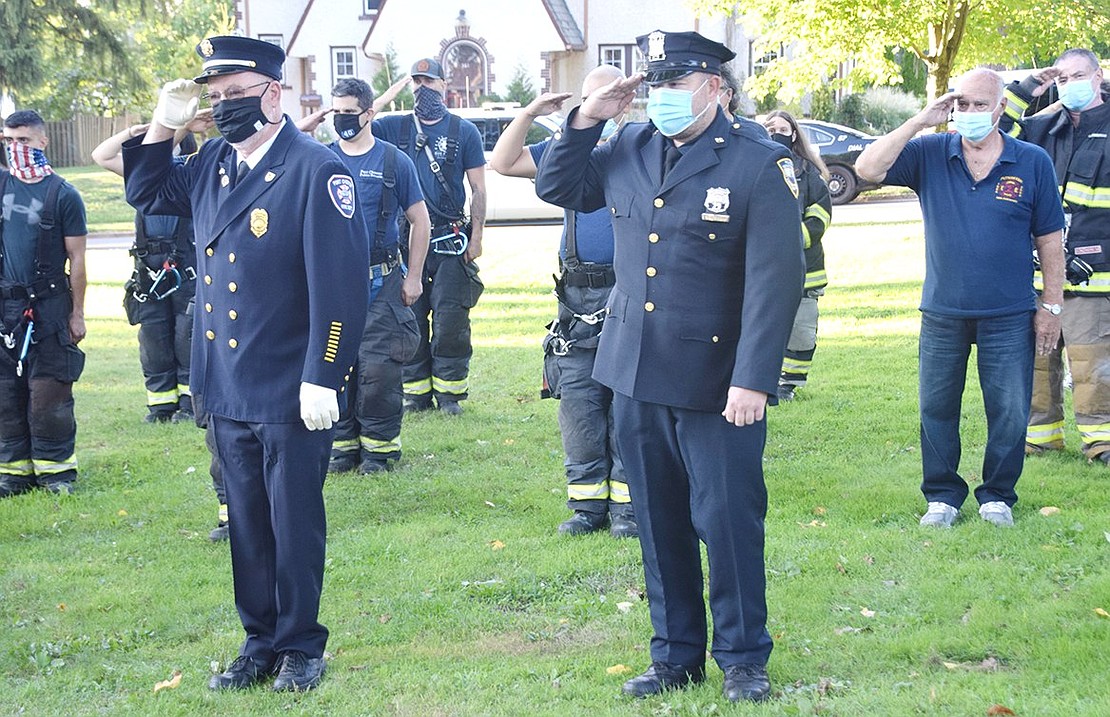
<point>451,239</point>
<point>384,261</point>
<point>596,276</point>
<point>42,288</point>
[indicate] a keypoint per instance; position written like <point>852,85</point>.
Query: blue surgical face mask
<point>672,111</point>
<point>1077,94</point>
<point>974,126</point>
<point>610,129</point>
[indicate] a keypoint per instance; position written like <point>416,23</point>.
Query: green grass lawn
<point>447,591</point>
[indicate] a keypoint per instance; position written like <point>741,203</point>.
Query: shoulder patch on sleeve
<point>341,189</point>
<point>786,166</point>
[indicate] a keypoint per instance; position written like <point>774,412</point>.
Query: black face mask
<point>347,126</point>
<point>239,119</point>
<point>783,139</point>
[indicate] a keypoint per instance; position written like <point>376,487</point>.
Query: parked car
<point>839,147</point>
<point>509,199</point>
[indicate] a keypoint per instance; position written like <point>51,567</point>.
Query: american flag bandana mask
<point>27,162</point>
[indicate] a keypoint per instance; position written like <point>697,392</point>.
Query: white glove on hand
<point>319,406</point>
<point>177,103</point>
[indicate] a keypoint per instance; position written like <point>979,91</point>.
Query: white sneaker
<point>939,515</point>
<point>997,512</point>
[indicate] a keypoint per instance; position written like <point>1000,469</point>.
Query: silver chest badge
<point>716,204</point>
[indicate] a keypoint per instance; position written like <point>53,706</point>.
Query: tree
<point>949,36</point>
<point>385,78</point>
<point>520,87</point>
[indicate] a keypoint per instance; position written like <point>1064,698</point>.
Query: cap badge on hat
<point>206,48</point>
<point>422,66</point>
<point>656,40</point>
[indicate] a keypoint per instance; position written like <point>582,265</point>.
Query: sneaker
<point>939,515</point>
<point>450,408</point>
<point>786,392</point>
<point>997,512</point>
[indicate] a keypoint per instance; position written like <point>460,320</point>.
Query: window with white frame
<point>342,63</point>
<point>278,40</point>
<point>757,65</point>
<point>371,7</point>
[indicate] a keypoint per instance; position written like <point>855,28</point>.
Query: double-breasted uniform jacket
<point>282,279</point>
<point>708,260</point>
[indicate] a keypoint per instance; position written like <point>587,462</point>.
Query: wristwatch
<point>1053,309</point>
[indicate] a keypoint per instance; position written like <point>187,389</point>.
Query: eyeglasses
<point>235,93</point>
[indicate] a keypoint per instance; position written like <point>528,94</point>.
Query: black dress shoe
<point>299,672</point>
<point>582,522</point>
<point>747,682</point>
<point>663,676</point>
<point>219,533</point>
<point>240,674</point>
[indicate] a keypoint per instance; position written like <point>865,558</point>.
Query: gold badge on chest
<point>260,222</point>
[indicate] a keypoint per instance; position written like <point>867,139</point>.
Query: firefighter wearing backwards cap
<point>709,265</point>
<point>282,292</point>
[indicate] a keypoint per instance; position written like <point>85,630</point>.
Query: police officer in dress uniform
<point>282,258</point>
<point>708,257</point>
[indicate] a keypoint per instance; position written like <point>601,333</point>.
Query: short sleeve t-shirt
<point>593,231</point>
<point>469,154</point>
<point>979,235</point>
<point>22,210</point>
<point>367,171</point>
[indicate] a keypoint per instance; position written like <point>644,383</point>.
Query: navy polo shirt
<point>979,235</point>
<point>593,231</point>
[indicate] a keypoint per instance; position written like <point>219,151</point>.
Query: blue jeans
<point>1005,360</point>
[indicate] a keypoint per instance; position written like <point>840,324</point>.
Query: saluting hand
<point>1045,78</point>
<point>607,102</point>
<point>547,103</point>
<point>937,111</point>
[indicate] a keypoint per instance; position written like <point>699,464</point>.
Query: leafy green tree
<point>948,36</point>
<point>520,87</point>
<point>389,74</point>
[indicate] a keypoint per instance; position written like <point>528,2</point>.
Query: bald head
<point>599,77</point>
<point>982,82</point>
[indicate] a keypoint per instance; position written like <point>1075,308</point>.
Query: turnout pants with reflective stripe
<point>165,340</point>
<point>695,477</point>
<point>442,360</point>
<point>1086,337</point>
<point>595,474</point>
<point>371,423</point>
<point>274,475</point>
<point>798,358</point>
<point>38,430</point>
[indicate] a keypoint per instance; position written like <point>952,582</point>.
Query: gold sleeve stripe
<point>334,333</point>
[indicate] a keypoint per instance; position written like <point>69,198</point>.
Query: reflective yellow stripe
<point>442,385</point>
<point>1015,105</point>
<point>419,387</point>
<point>1084,196</point>
<point>1094,432</point>
<point>373,445</point>
<point>816,210</point>
<point>345,445</point>
<point>1045,434</point>
<point>618,492</point>
<point>161,398</point>
<point>806,241</point>
<point>596,491</point>
<point>49,468</point>
<point>17,468</point>
<point>796,366</point>
<point>183,389</point>
<point>222,514</point>
<point>816,278</point>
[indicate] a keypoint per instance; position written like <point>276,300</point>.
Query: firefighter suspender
<point>387,205</point>
<point>419,142</point>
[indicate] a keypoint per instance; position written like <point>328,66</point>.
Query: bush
<point>850,112</point>
<point>885,108</point>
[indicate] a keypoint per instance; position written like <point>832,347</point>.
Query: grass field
<point>447,591</point>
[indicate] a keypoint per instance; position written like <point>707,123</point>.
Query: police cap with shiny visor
<point>673,55</point>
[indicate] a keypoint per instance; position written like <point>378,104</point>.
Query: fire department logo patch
<point>341,189</point>
<point>786,166</point>
<point>656,42</point>
<point>716,200</point>
<point>1009,189</point>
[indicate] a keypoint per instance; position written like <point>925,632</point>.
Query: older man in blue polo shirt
<point>988,200</point>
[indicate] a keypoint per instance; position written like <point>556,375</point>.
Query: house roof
<point>565,24</point>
